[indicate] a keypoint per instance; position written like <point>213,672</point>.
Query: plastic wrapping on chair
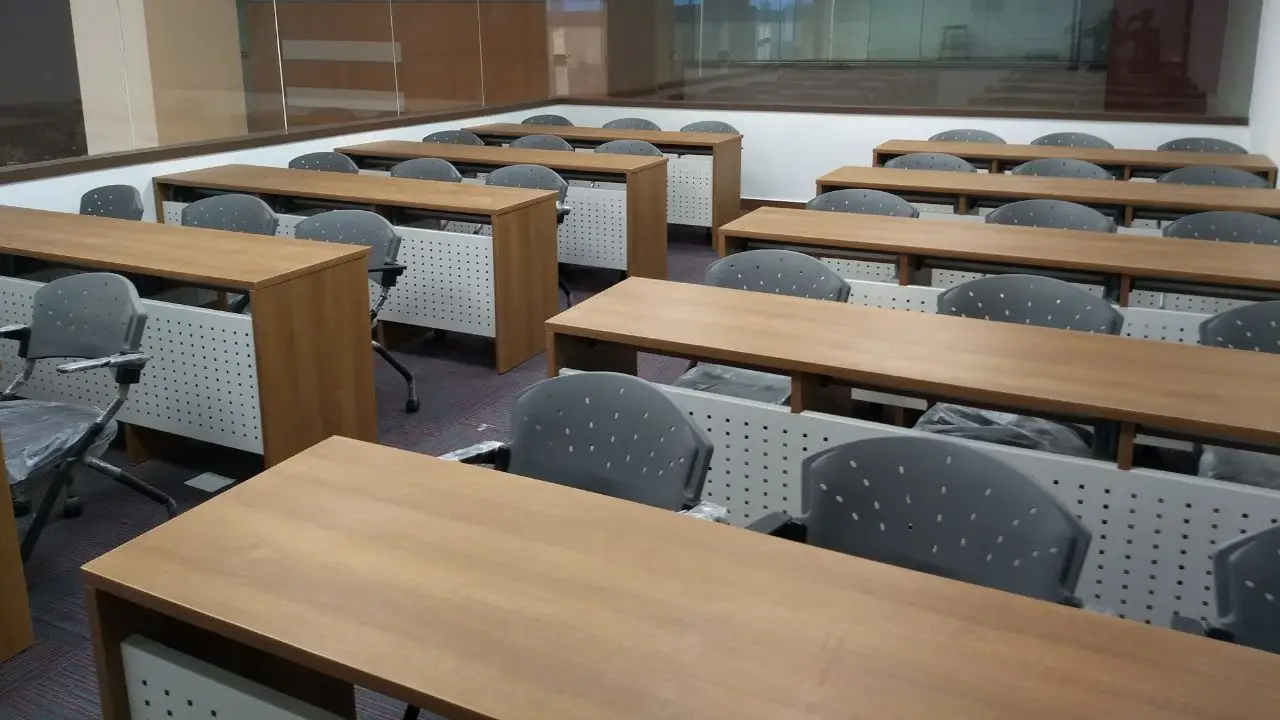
<point>708,511</point>
<point>1004,429</point>
<point>737,382</point>
<point>1240,466</point>
<point>37,433</point>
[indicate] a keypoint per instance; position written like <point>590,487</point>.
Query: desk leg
<point>647,223</point>
<point>726,183</point>
<point>315,360</point>
<point>819,394</point>
<point>579,353</point>
<point>113,619</point>
<point>1127,217</point>
<point>524,281</point>
<point>726,245</point>
<point>1124,446</point>
<point>15,613</point>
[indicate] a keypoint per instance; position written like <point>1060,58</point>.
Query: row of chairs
<point>1067,168</point>
<point>634,123</point>
<point>1085,140</point>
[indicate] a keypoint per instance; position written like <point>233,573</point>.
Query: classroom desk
<point>644,231</point>
<point>251,382</point>
<point>477,594</point>
<point>722,187</point>
<point>1162,388</point>
<point>1124,163</point>
<point>1124,262</point>
<point>15,612</point>
<point>515,269</point>
<point>1126,200</point>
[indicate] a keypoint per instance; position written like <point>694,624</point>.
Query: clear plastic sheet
<point>37,433</point>
<point>710,512</point>
<point>1004,429</point>
<point>1240,466</point>
<point>476,450</point>
<point>737,382</point>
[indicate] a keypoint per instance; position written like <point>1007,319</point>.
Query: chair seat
<point>1240,466</point>
<point>1004,429</point>
<point>737,382</point>
<point>37,433</point>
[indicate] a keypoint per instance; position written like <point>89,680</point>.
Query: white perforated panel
<point>164,684</point>
<point>201,382</point>
<point>173,213</point>
<point>893,296</point>
<point>1179,327</point>
<point>689,190</point>
<point>448,284</point>
<point>862,270</point>
<point>595,233</point>
<point>1183,303</point>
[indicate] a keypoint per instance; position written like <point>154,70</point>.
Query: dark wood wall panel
<point>516,57</point>
<point>440,53</point>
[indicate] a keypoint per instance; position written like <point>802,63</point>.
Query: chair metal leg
<point>71,503</point>
<point>21,502</point>
<point>412,404</point>
<point>564,288</point>
<point>134,483</point>
<point>410,713</point>
<point>46,508</point>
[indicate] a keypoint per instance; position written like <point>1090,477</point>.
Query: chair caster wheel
<point>412,405</point>
<point>21,505</point>
<point>71,508</point>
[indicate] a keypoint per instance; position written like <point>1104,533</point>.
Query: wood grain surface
<point>1118,157</point>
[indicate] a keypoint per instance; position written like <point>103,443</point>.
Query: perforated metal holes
<point>689,190</point>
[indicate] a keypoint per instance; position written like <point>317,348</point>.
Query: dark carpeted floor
<point>463,402</point>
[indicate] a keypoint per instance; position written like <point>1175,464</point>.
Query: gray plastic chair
<point>122,202</point>
<point>427,169</point>
<point>1204,145</point>
<point>98,320</point>
<point>1246,583</point>
<point>236,213</point>
<point>367,229</point>
<point>863,202</point>
<point>780,272</point>
<point>631,123</point>
<point>930,161</point>
<point>967,135</point>
<point>1064,168</point>
<point>325,162</point>
<point>1253,327</point>
<point>1059,214</point>
<point>549,119</point>
<point>1226,226</point>
<point>710,126</point>
<point>1072,139</point>
<point>939,507</point>
<point>537,177</point>
<point>1031,300</point>
<point>1213,175</point>
<point>629,147</point>
<point>542,142</point>
<point>454,137</point>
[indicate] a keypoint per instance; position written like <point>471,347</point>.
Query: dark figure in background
<point>1140,30</point>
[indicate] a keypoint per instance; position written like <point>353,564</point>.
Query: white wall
<point>1264,111</point>
<point>784,153</point>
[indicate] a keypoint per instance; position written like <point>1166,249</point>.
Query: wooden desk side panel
<point>315,360</point>
<point>524,281</point>
<point>726,183</point>
<point>647,223</point>
<point>15,611</point>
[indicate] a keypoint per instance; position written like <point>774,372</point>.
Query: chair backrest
<point>781,272</point>
<point>325,162</point>
<point>1247,585</point>
<point>1063,167</point>
<point>1072,139</point>
<point>123,202</point>
<point>710,126</point>
<point>549,119</point>
<point>1226,226</point>
<point>945,508</point>
<point>967,135</point>
<point>535,177</point>
<point>454,137</point>
<point>629,147</point>
<point>1204,145</point>
<point>1031,300</point>
<point>612,434</point>
<point>930,161</point>
<point>863,202</point>
<point>632,123</point>
<point>237,213</point>
<point>542,142</point>
<point>1059,214</point>
<point>1213,175</point>
<point>427,169</point>
<point>354,227</point>
<point>1253,327</point>
<point>88,315</point>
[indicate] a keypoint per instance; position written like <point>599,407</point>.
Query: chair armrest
<point>389,273</point>
<point>1072,601</point>
<point>780,524</point>
<point>490,452</point>
<point>708,511</point>
<point>128,366</point>
<point>1196,626</point>
<point>21,333</point>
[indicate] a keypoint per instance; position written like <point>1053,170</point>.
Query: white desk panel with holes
<point>201,382</point>
<point>689,190</point>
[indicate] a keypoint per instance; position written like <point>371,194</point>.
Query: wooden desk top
<point>1097,192</point>
<point>657,137</point>
<point>1199,261</point>
<point>1179,388</point>
<point>478,594</point>
<point>492,155</point>
<point>364,189</point>
<point>1098,156</point>
<point>204,257</point>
